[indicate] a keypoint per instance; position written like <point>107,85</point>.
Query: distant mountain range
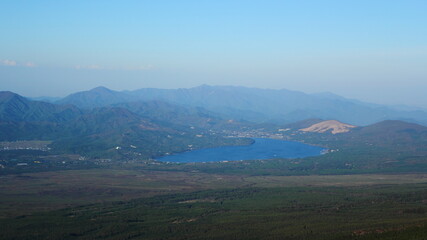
<point>144,128</point>
<point>102,123</point>
<point>252,104</point>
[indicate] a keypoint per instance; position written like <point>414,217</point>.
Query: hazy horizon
<point>54,98</point>
<point>371,51</point>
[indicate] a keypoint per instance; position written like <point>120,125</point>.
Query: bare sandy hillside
<point>331,125</point>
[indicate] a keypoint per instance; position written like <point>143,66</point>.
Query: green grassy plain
<point>33,192</point>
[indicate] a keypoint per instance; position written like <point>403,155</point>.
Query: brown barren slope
<point>330,125</point>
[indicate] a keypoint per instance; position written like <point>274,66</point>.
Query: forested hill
<point>123,131</point>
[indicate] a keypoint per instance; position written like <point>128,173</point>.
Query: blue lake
<point>262,148</point>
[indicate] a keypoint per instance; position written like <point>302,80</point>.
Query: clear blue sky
<point>373,50</point>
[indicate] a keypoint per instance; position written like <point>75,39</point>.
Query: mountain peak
<point>6,96</point>
<point>96,97</point>
<point>100,89</point>
<point>333,126</point>
<point>388,125</point>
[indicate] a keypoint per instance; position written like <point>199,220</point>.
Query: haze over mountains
<point>99,120</point>
<point>145,128</point>
<point>148,123</point>
<point>253,104</point>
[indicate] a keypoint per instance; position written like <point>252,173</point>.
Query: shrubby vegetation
<point>376,212</point>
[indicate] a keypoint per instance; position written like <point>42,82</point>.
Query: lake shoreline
<point>260,149</point>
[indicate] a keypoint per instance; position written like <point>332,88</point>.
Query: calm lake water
<point>263,148</point>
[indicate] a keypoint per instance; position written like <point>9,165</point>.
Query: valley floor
<point>32,192</point>
<point>131,204</point>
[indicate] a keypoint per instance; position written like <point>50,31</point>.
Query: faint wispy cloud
<point>13,63</point>
<point>8,62</point>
